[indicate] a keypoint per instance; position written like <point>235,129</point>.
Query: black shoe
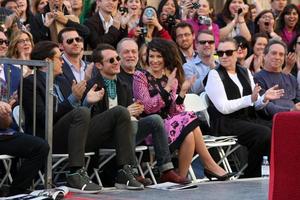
<point>80,182</point>
<point>126,180</point>
<point>210,175</point>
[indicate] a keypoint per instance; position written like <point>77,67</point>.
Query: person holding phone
<point>233,20</point>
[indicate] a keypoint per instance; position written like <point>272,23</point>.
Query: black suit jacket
<point>123,94</point>
<point>98,35</point>
<point>62,108</point>
<point>68,74</point>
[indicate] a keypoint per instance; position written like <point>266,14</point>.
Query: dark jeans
<point>70,134</point>
<point>154,125</point>
<point>256,136</point>
<point>33,150</point>
<point>113,129</point>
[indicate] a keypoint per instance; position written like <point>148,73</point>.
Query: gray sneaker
<point>125,179</point>
<point>80,182</point>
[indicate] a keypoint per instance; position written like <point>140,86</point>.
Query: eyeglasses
<point>2,41</point>
<point>113,59</point>
<point>71,40</point>
<point>23,41</point>
<point>203,42</point>
<point>242,46</point>
<point>227,53</point>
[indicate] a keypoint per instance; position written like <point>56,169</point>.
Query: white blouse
<point>216,92</point>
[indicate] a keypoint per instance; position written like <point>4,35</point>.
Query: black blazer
<point>123,94</point>
<point>98,35</point>
<point>68,74</point>
<point>62,108</point>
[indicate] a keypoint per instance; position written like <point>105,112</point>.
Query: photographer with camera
<point>234,20</point>
<point>150,27</point>
<point>203,19</point>
<point>168,12</point>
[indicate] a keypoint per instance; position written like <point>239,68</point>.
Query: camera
<point>195,5</point>
<point>204,20</point>
<point>55,7</point>
<point>123,10</point>
<point>240,10</point>
<point>143,30</point>
<point>149,12</point>
<point>171,21</point>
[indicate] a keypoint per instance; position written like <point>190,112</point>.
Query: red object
<point>172,176</point>
<point>285,157</point>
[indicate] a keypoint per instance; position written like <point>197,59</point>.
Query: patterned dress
<point>150,91</point>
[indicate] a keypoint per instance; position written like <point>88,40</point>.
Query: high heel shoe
<point>210,175</point>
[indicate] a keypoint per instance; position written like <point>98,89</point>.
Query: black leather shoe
<point>210,175</point>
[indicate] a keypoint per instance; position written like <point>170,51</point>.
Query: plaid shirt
<point>111,88</point>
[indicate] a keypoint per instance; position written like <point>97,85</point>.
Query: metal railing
<point>49,104</point>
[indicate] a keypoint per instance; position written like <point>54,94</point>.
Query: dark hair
<point>256,26</point>
<point>43,50</point>
<point>258,35</point>
<point>60,38</point>
<point>272,42</point>
<point>211,15</point>
<point>181,25</point>
<point>170,54</point>
<point>240,40</point>
<point>4,2</point>
<point>280,21</point>
<point>162,4</point>
<point>225,13</point>
<point>97,53</point>
<point>293,44</point>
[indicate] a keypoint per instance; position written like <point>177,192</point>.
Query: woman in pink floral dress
<point>156,89</point>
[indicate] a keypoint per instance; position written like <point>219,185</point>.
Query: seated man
<point>272,75</point>
<point>70,121</point>
<point>32,149</point>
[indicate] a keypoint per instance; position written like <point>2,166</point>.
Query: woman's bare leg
<point>185,154</point>
<point>205,156</point>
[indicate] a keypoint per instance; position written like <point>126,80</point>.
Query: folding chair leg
<point>151,173</point>
<point>7,166</point>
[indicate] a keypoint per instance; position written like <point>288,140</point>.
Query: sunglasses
<point>227,53</point>
<point>2,41</point>
<point>113,59</point>
<point>203,42</point>
<point>71,40</point>
<point>242,46</point>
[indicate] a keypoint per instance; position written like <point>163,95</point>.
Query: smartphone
<point>240,10</point>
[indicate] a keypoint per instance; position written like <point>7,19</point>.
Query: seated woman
<point>243,49</point>
<point>156,89</point>
<point>232,92</point>
<point>20,47</point>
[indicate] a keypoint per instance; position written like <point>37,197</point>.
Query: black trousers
<point>70,134</point>
<point>256,136</point>
<point>33,150</point>
<point>113,129</point>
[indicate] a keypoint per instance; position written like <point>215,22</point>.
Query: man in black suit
<point>71,122</point>
<point>103,27</point>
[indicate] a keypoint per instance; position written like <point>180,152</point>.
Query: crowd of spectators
<point>145,59</point>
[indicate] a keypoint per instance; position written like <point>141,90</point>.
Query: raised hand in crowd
<point>171,80</point>
<point>94,95</point>
<point>291,60</point>
<point>78,89</point>
<point>186,86</point>
<point>49,19</point>
<point>187,10</point>
<point>273,93</point>
<point>255,93</point>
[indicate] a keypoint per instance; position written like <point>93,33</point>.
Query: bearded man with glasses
<point>204,61</point>
<point>234,98</point>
